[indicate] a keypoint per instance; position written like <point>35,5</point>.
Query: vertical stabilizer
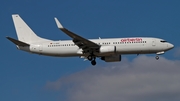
<point>24,32</point>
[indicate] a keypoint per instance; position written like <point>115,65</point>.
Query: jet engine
<point>112,58</point>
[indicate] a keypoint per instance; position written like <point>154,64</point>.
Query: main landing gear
<point>92,58</point>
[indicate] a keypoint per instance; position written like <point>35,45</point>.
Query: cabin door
<point>153,42</point>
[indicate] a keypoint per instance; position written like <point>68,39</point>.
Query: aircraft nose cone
<point>171,46</point>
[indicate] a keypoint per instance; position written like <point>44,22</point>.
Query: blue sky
<point>25,76</point>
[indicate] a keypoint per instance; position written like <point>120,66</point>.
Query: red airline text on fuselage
<point>131,40</point>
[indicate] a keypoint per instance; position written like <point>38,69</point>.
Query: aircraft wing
<point>85,44</point>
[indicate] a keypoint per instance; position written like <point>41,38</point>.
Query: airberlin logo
<point>131,40</point>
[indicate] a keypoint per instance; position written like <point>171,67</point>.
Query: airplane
<point>107,49</point>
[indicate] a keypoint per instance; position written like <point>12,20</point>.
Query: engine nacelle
<point>112,58</point>
<point>107,49</point>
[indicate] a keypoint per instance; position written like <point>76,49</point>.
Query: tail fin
<point>24,32</point>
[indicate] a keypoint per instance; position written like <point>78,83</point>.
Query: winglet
<point>58,23</point>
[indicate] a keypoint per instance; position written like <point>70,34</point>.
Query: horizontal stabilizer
<point>17,42</point>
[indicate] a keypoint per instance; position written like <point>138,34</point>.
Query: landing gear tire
<point>157,57</point>
<point>90,57</point>
<point>93,62</point>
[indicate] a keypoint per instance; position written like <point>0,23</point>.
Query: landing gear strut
<point>157,57</point>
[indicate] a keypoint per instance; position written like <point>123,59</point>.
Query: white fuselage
<point>108,50</point>
<point>134,45</point>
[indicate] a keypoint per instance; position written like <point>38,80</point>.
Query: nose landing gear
<point>157,57</point>
<point>93,62</point>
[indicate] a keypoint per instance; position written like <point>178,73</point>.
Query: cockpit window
<point>163,41</point>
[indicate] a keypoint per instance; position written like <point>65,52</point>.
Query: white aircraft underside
<point>109,50</point>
